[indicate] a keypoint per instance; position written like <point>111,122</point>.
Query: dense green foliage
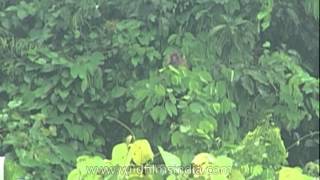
<point>78,76</point>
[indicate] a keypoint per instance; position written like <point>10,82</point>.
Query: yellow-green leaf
<point>288,173</point>
<point>141,152</point>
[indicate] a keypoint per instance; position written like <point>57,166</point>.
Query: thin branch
<point>302,138</point>
<point>123,125</point>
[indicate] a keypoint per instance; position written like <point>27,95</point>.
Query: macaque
<point>176,60</point>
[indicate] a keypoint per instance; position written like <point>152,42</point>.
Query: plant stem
<point>302,138</point>
<point>123,125</point>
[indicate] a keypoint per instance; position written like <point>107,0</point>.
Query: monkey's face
<point>174,59</point>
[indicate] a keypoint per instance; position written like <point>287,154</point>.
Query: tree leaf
<point>118,91</point>
<point>196,107</point>
<point>141,152</point>
<point>169,159</point>
<point>120,155</point>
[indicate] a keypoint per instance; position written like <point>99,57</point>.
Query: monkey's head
<point>175,59</point>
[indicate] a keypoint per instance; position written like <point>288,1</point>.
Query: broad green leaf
<point>223,161</point>
<point>206,126</point>
<point>158,113</point>
<point>74,175</point>
<point>67,153</point>
<point>171,109</point>
<point>135,61</point>
<point>13,171</point>
<point>61,106</point>
<point>227,105</point>
<point>176,138</point>
<point>202,159</point>
<point>84,85</point>
<point>258,76</point>
<point>141,152</point>
<point>185,128</point>
<point>221,88</point>
<point>120,155</point>
<point>137,117</point>
<point>201,162</point>
<point>63,93</point>
<point>155,113</point>
<point>22,13</point>
<point>85,162</point>
<point>78,70</point>
<point>118,91</point>
<point>225,165</point>
<point>160,90</point>
<point>205,76</point>
<point>14,103</point>
<point>216,107</point>
<point>196,107</point>
<point>172,98</point>
<point>288,173</point>
<point>169,159</point>
<point>236,175</point>
<point>216,29</point>
<point>248,85</point>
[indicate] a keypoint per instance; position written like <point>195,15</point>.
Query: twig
<point>123,125</point>
<point>302,138</point>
